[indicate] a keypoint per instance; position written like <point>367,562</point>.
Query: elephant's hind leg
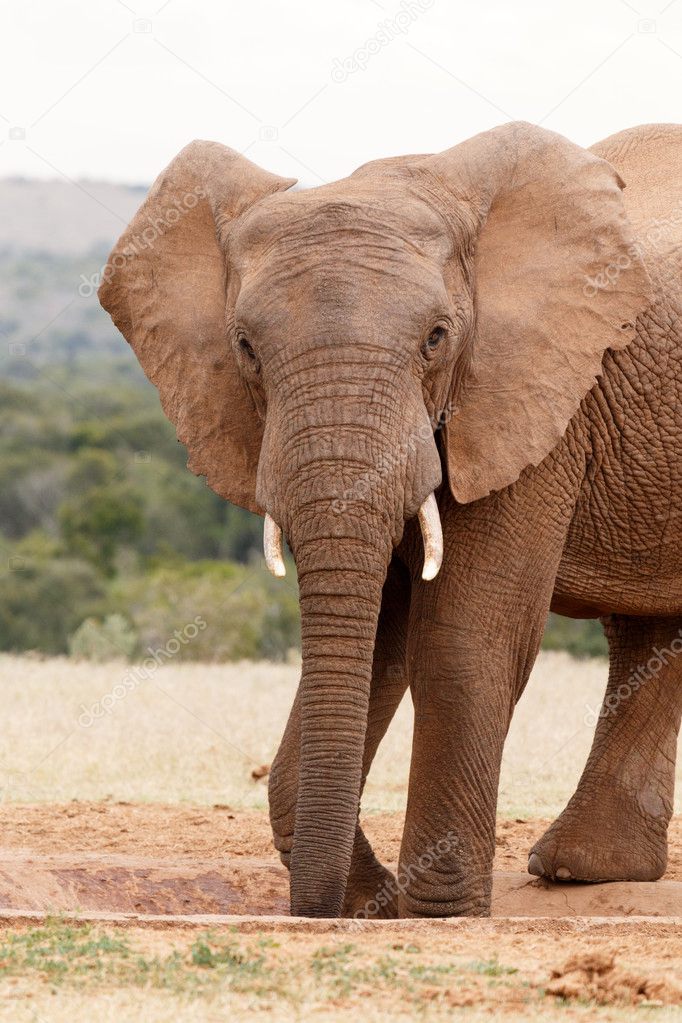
<point>615,825</point>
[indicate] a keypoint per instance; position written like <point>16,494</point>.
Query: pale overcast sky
<point>112,89</point>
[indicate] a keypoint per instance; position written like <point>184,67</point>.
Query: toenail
<point>563,873</point>
<point>535,865</point>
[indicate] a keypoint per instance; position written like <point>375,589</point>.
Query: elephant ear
<point>165,285</point>
<point>546,221</point>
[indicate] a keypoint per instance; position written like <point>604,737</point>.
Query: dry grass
<point>119,1006</point>
<point>194,732</point>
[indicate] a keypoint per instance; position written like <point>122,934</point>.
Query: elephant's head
<point>307,345</point>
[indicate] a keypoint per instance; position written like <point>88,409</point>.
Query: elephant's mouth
<point>429,521</point>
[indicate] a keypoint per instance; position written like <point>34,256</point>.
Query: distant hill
<point>64,218</point>
<point>54,239</point>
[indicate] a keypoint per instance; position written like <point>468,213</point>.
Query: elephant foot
<point>372,897</point>
<point>372,890</point>
<point>611,835</point>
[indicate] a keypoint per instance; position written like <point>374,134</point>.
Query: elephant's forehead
<point>348,213</point>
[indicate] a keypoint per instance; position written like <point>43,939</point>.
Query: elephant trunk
<point>339,613</point>
<point>339,473</point>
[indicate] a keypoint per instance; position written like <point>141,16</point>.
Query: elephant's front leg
<point>371,889</point>
<point>474,633</point>
<point>462,693</point>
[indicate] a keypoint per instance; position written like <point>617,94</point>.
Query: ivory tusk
<point>432,532</point>
<point>272,546</point>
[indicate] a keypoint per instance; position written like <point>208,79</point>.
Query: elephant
<point>453,382</point>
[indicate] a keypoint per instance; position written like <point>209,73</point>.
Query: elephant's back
<point>649,160</point>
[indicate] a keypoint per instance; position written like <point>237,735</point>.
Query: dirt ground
<point>115,857</point>
<point>109,826</point>
<point>174,831</point>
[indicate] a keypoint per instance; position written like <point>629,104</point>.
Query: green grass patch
<point>62,953</point>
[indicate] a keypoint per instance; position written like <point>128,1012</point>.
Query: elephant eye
<point>434,341</point>
<point>246,347</point>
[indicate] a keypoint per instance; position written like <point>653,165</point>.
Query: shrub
<point>247,613</point>
<point>580,637</point>
<point>96,640</point>
<point>42,602</point>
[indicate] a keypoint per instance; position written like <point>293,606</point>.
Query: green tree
<point>100,522</point>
